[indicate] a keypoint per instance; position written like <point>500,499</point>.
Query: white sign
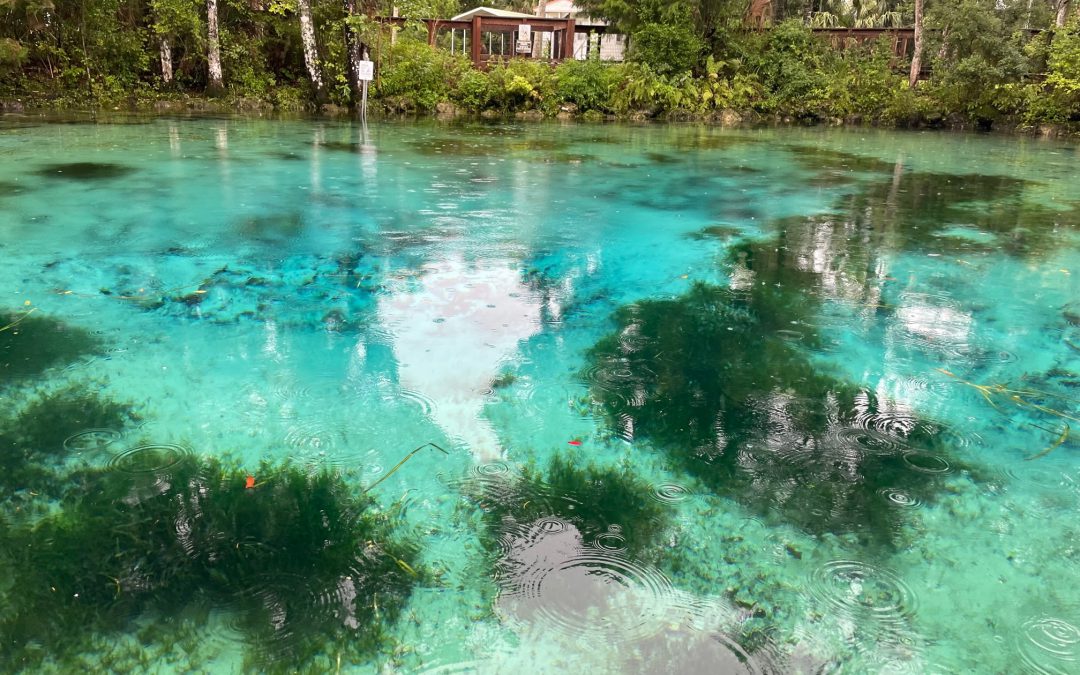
<point>524,41</point>
<point>365,71</point>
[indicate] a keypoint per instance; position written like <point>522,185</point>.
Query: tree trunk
<point>1062,13</point>
<point>311,53</point>
<point>916,57</point>
<point>354,52</point>
<point>166,59</point>
<point>213,49</point>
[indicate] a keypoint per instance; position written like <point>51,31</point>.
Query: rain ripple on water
<point>1050,646</point>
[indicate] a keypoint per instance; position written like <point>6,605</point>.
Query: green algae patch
<point>939,212</point>
<point>31,343</point>
<point>605,504</point>
<point>46,423</point>
<point>51,428</point>
<point>11,188</point>
<point>835,162</point>
<point>84,171</point>
<point>715,379</point>
<point>298,561</point>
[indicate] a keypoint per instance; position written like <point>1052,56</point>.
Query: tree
<point>311,51</point>
<point>710,21</point>
<point>916,57</point>
<point>213,49</point>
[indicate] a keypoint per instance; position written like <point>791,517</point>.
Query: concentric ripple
<point>149,459</point>
<point>863,590</point>
<point>610,541</point>
<point>1050,645</point>
<point>90,441</point>
<point>670,493</point>
<point>924,462</point>
<point>594,595</point>
<point>899,497</point>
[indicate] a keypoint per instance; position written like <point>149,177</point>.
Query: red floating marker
<point>574,442</point>
<point>250,482</point>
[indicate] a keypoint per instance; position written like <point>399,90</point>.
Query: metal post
<point>363,103</point>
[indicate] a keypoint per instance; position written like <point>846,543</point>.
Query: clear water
<point>811,397</point>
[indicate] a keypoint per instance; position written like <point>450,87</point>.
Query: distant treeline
<point>991,61</point>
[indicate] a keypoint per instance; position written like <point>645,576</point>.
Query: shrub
<point>795,69</point>
<point>666,48</point>
<point>1058,98</point>
<point>473,90</point>
<point>520,84</point>
<point>587,84</point>
<point>415,77</point>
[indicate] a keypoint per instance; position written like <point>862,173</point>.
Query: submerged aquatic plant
<point>34,440</point>
<point>299,559</point>
<point>31,343</point>
<point>598,501</point>
<point>1025,399</point>
<point>84,171</point>
<point>720,380</point>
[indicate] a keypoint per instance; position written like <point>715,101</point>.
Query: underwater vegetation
<point>31,343</point>
<point>919,210</point>
<point>719,380</point>
<point>11,188</point>
<point>38,434</point>
<point>298,560</point>
<point>84,171</point>
<point>271,227</point>
<point>335,293</point>
<point>600,502</point>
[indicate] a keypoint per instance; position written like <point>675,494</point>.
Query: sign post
<point>365,72</point>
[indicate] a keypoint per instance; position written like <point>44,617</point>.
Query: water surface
<point>672,399</point>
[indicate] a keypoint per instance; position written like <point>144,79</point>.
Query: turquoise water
<point>682,399</point>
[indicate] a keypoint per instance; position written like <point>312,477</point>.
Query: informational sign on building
<point>365,71</point>
<point>524,41</point>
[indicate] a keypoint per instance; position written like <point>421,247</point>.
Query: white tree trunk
<point>166,59</point>
<point>1062,13</point>
<point>311,53</point>
<point>213,47</point>
<point>916,57</point>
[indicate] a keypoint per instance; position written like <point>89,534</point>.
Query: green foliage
<point>474,91</point>
<point>416,77</point>
<point>795,69</point>
<point>667,48</point>
<point>587,84</point>
<point>12,54</point>
<point>642,89</point>
<point>977,56</point>
<point>1057,98</point>
<point>704,26</point>
<point>521,84</point>
<point>299,559</point>
<point>863,81</point>
<point>688,58</point>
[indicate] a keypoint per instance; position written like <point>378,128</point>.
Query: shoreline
<point>244,106</point>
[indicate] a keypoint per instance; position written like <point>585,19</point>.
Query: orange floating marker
<point>250,482</point>
<point>574,442</point>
